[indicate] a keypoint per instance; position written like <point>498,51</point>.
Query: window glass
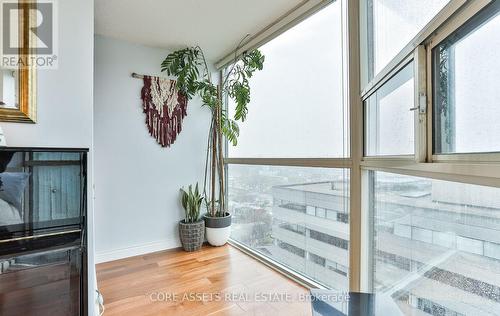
<point>297,108</point>
<point>392,24</point>
<point>389,121</point>
<point>466,93</point>
<point>270,207</point>
<point>435,246</point>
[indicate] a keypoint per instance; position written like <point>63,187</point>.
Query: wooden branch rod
<point>134,75</point>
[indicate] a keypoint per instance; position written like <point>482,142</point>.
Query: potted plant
<point>192,228</point>
<point>190,68</point>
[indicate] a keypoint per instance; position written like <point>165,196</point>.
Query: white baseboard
<point>137,250</point>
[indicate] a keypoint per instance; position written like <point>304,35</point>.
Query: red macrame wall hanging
<point>165,108</point>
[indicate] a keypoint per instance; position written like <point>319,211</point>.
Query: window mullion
<point>421,101</point>
<point>351,18</point>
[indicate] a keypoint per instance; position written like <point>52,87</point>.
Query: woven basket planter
<point>192,235</point>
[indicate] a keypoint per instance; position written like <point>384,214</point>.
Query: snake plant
<point>191,201</point>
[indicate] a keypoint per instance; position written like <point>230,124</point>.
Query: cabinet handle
<point>40,236</point>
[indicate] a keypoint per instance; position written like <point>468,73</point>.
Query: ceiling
<point>216,25</point>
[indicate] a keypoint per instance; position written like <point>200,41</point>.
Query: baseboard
<point>137,250</point>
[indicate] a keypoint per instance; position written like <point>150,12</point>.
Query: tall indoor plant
<point>190,68</point>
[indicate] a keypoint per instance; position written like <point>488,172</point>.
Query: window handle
<point>422,107</point>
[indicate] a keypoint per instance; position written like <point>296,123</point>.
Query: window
<point>260,199</point>
<point>297,108</point>
<point>343,217</point>
<point>329,239</point>
<point>317,259</point>
<point>433,308</point>
<point>292,249</point>
<point>311,210</point>
<point>298,113</point>
<point>392,24</point>
<point>435,244</point>
<point>446,255</point>
<point>337,268</point>
<point>299,229</point>
<point>320,212</point>
<point>389,127</point>
<point>331,215</point>
<point>466,94</point>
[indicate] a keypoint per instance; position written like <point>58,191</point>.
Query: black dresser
<point>43,247</point>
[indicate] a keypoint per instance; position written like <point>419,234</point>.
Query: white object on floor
<point>99,304</point>
<point>218,236</point>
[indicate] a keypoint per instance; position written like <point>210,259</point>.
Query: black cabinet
<point>43,249</point>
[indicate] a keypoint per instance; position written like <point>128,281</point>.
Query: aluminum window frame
<point>412,58</point>
<point>452,17</point>
<point>368,185</point>
<point>480,169</point>
<point>469,12</point>
<point>477,168</point>
<point>319,162</point>
<point>437,21</point>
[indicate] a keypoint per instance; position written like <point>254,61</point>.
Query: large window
<point>288,196</point>
<point>296,216</point>
<point>392,24</point>
<point>466,71</point>
<point>436,246</point>
<point>297,108</point>
<point>433,237</point>
<point>389,118</point>
<point>426,244</point>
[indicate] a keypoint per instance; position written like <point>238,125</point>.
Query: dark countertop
<point>338,303</point>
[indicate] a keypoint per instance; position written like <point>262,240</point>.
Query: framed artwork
<point>18,86</point>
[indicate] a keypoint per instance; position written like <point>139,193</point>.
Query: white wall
<point>64,95</point>
<point>65,98</point>
<point>137,182</point>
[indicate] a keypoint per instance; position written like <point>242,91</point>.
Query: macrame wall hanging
<point>165,108</point>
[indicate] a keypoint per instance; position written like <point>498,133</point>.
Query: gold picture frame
<point>26,112</point>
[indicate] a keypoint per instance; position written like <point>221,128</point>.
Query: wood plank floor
<point>212,281</point>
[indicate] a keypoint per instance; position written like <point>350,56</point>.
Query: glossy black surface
<point>43,277</point>
<point>15,247</point>
<point>335,303</point>
<point>43,249</point>
<point>53,198</point>
<point>44,149</point>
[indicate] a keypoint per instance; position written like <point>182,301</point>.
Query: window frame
<point>457,13</point>
<point>367,84</point>
<point>370,174</point>
<point>318,162</point>
<point>480,169</point>
<point>476,168</point>
<point>440,35</point>
<point>402,65</point>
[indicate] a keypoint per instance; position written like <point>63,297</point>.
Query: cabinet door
<point>45,283</point>
<point>57,182</point>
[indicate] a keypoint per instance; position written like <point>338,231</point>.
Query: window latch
<point>422,104</point>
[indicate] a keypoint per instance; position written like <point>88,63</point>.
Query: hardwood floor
<point>212,281</point>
